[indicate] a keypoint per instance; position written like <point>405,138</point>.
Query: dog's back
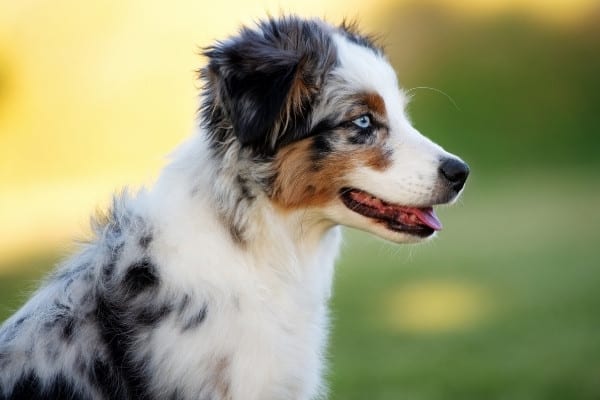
<point>76,337</point>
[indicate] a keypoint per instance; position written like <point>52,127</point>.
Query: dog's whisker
<point>409,91</point>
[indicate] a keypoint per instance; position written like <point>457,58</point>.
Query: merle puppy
<point>214,283</point>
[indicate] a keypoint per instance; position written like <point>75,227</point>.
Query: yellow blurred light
<point>91,90</point>
<point>559,11</point>
<point>434,307</point>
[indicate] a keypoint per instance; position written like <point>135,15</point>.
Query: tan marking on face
<point>302,183</point>
<point>378,158</point>
<point>375,103</point>
<point>298,181</point>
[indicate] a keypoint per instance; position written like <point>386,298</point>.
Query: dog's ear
<point>254,80</point>
<point>265,79</point>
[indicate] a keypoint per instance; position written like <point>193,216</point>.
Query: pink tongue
<point>428,217</point>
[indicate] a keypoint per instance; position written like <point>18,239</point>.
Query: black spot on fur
<point>140,276</point>
<point>49,325</point>
<point>237,234</point>
<point>244,187</point>
<point>105,377</point>
<point>145,241</point>
<point>64,321</point>
<point>67,330</point>
<point>322,145</point>
<point>61,306</point>
<point>150,316</point>
<point>29,387</point>
<point>4,360</point>
<point>118,331</point>
<point>183,304</point>
<point>196,320</point>
<point>100,373</point>
<point>108,270</point>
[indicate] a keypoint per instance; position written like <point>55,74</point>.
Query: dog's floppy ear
<point>254,80</point>
<point>265,79</point>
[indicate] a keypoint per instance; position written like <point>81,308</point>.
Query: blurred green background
<point>504,304</point>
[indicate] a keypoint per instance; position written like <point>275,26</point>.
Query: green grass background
<point>525,236</point>
<point>532,255</point>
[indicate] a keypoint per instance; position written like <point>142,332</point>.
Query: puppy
<point>214,283</point>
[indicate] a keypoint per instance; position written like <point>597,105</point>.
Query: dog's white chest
<point>264,333</point>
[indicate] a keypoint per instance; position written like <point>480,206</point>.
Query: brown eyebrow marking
<point>375,103</point>
<point>366,102</point>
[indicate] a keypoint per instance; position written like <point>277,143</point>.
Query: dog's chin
<point>394,236</point>
<point>394,222</point>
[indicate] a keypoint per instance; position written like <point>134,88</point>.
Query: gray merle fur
<point>105,317</point>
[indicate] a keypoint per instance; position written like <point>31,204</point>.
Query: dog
<point>214,283</point>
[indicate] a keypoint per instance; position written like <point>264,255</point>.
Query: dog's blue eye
<point>362,122</point>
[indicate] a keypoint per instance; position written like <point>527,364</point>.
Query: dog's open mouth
<point>419,221</point>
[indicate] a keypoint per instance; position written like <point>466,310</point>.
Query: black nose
<point>455,172</point>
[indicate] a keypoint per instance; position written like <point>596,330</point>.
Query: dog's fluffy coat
<point>214,283</point>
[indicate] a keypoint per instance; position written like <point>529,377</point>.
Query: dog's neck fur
<point>281,273</point>
<point>231,183</point>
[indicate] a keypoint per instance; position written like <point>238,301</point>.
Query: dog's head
<point>321,106</point>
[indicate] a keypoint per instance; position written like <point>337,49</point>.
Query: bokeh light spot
<point>434,306</point>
